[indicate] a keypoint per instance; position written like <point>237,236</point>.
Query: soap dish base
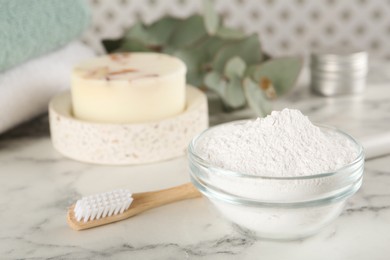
<point>126,144</point>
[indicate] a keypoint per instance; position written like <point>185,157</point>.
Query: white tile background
<point>285,27</point>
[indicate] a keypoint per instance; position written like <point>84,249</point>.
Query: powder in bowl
<point>280,177</point>
<point>284,144</point>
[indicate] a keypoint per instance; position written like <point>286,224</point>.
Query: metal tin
<point>340,57</point>
<point>337,67</point>
<point>336,73</point>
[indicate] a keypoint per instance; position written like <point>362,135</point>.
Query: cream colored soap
<point>128,88</point>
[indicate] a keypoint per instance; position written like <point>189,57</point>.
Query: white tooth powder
<point>284,144</point>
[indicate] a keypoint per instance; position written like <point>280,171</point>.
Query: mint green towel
<point>30,28</point>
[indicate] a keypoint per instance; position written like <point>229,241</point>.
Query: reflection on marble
<point>38,184</point>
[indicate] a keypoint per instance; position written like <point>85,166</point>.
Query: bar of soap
<point>128,88</point>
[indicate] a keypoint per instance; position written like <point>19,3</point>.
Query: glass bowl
<point>282,208</point>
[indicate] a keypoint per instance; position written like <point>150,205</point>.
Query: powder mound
<point>283,144</point>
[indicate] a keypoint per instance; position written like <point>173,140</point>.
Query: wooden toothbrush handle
<point>153,199</point>
<point>142,202</point>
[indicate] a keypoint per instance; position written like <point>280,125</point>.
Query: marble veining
<point>34,198</point>
<point>37,185</point>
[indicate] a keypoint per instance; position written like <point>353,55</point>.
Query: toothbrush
<point>105,208</point>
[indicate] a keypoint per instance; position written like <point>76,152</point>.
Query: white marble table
<point>37,185</point>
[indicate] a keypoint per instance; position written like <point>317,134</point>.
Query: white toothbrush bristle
<point>102,205</point>
<point>112,208</point>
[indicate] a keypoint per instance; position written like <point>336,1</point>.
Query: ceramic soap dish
<point>126,144</point>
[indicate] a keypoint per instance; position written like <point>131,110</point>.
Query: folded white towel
<point>26,90</point>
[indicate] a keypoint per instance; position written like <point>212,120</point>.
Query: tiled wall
<point>286,27</point>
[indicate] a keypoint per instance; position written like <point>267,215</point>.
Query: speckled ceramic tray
<point>125,144</point>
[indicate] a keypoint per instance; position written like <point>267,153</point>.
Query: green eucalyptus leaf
<point>188,32</point>
<point>256,98</point>
<point>213,81</point>
<point>211,45</point>
<point>282,72</point>
<point>155,35</point>
<point>168,50</point>
<point>163,29</point>
<point>139,32</point>
<point>193,60</point>
<point>197,58</point>
<point>188,58</point>
<point>230,33</point>
<point>133,45</point>
<point>194,79</point>
<point>211,18</point>
<point>234,96</point>
<point>263,82</point>
<point>229,90</point>
<point>250,70</point>
<point>235,67</point>
<point>247,49</point>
